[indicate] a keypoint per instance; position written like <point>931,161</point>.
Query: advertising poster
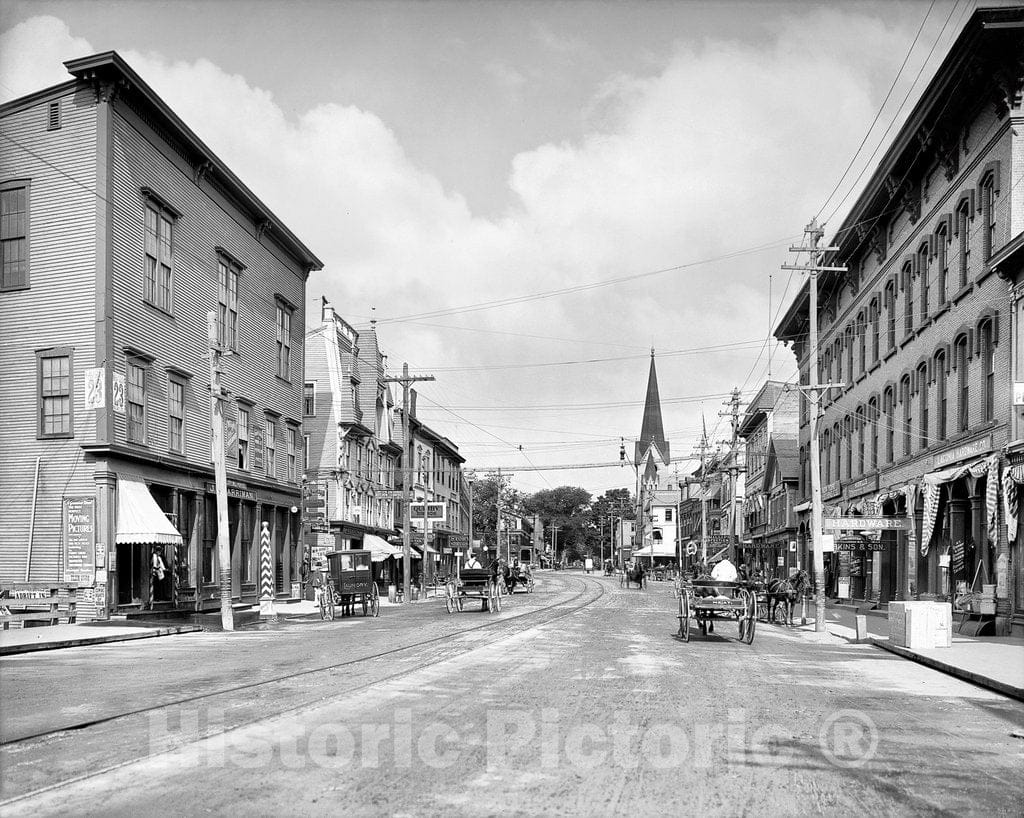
<point>80,540</point>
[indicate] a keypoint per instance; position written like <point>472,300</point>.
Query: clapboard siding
<point>57,310</point>
<point>141,159</point>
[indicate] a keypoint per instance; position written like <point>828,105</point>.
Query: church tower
<point>651,448</point>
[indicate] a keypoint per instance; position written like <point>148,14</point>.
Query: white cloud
<point>728,146</point>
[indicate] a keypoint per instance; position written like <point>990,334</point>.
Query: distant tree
<point>485,507</point>
<point>567,507</point>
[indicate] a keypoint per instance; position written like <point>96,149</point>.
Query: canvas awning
<point>139,518</point>
<point>379,548</point>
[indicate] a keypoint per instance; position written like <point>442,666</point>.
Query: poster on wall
<point>958,558</point>
<point>256,445</point>
<point>80,540</point>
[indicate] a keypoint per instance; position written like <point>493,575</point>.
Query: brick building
<point>121,230</point>
<point>917,333</point>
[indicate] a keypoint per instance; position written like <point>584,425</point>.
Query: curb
<point>967,675</point>
<point>97,640</point>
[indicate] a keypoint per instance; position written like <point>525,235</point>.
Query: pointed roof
<point>652,431</point>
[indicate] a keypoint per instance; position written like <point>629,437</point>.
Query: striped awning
<point>139,519</point>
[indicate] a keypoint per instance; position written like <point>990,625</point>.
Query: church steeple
<point>652,431</point>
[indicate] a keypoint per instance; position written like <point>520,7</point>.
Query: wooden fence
<point>33,604</point>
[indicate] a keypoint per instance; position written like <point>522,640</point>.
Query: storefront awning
<point>379,549</point>
<point>139,518</point>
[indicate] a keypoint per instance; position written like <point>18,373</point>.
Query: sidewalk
<point>52,637</point>
<point>994,662</point>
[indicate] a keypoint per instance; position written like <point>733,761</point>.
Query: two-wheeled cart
<point>353,581</point>
<point>707,600</point>
<point>473,583</point>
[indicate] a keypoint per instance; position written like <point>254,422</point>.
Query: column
<point>106,537</point>
<point>957,533</point>
<point>979,533</point>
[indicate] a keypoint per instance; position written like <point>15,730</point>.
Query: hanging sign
<point>95,393</point>
<point>434,511</point>
<point>865,523</point>
<point>958,558</point>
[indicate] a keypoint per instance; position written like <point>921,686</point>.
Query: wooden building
<point>121,231</point>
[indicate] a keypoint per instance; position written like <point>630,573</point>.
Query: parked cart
<point>352,576</point>
<point>708,600</point>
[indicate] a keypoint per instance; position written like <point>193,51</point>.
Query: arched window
<point>925,275</point>
<point>862,343</point>
<point>860,424</point>
<point>849,334</point>
<point>873,446</point>
<point>962,383</point>
<point>826,455</point>
<point>988,372</point>
<point>889,419</point>
<point>940,394</point>
<point>988,214</point>
<point>890,315</point>
<point>922,403</point>
<point>963,221</point>
<point>875,320</point>
<point>941,262</point>
<point>908,415</point>
<point>908,297</point>
<point>837,445</point>
<point>848,446</point>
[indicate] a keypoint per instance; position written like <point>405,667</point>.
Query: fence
<point>34,604</point>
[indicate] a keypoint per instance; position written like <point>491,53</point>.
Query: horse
<point>786,592</point>
<point>637,575</point>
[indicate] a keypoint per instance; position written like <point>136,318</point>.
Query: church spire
<point>652,431</point>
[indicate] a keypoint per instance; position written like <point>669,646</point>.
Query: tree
<point>485,507</point>
<point>567,507</point>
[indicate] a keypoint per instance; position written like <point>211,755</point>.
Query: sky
<point>528,197</point>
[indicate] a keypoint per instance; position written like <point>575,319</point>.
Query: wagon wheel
<point>684,618</point>
<point>449,604</point>
<point>460,602</point>
<point>375,601</point>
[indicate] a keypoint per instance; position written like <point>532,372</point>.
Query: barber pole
<point>267,610</point>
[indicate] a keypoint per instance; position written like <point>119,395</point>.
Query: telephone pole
<point>227,616</point>
<point>734,467</point>
<point>813,234</point>
<point>406,380</point>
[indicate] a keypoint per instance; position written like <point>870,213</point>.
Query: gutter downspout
<point>32,522</point>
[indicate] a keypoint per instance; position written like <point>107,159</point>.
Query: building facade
<point>121,231</point>
<point>915,337</point>
<point>349,420</point>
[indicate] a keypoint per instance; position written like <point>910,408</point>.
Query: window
<point>837,442</point>
<point>227,304</point>
<point>209,539</point>
<point>14,236</point>
<point>849,353</point>
<point>54,394</point>
<point>941,261</point>
<point>135,422</point>
<point>940,395</point>
<point>243,438</point>
<point>158,285</point>
<point>826,451</point>
<point>176,414</point>
<point>922,403</point>
<point>988,372</point>
<point>962,383</point>
<point>988,215</point>
<point>908,298</point>
<point>284,342</point>
<point>293,446</point>
<point>668,515</point>
<point>875,321</point>
<point>271,443</point>
<point>309,399</point>
<point>924,273</point>
<point>890,314</point>
<point>305,452</point>
<point>860,422</point>
<point>889,412</point>
<point>908,415</point>
<point>848,445</point>
<point>873,420</point>
<point>862,343</point>
<point>963,221</point>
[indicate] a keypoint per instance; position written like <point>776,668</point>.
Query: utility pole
<point>220,476</point>
<point>814,233</point>
<point>406,380</point>
<point>703,449</point>
<point>734,467</point>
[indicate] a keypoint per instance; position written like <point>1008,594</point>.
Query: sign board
<point>257,445</point>
<point>1001,565</point>
<point>719,539</point>
<point>458,540</point>
<point>80,540</point>
<point>830,490</point>
<point>958,558</point>
<point>117,392</point>
<point>434,511</point>
<point>865,523</point>
<point>231,440</point>
<point>844,588</point>
<point>828,543</point>
<point>95,392</point>
<point>1018,394</point>
<point>965,451</point>
<point>858,544</point>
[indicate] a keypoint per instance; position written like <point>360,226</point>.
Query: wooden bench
<point>34,604</point>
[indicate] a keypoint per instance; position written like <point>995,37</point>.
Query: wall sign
<point>95,393</point>
<point>117,392</point>
<point>80,540</point>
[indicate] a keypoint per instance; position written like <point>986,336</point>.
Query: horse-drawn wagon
<point>706,600</point>
<point>473,583</point>
<point>351,583</point>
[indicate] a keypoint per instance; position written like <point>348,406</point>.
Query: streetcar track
<point>305,705</point>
